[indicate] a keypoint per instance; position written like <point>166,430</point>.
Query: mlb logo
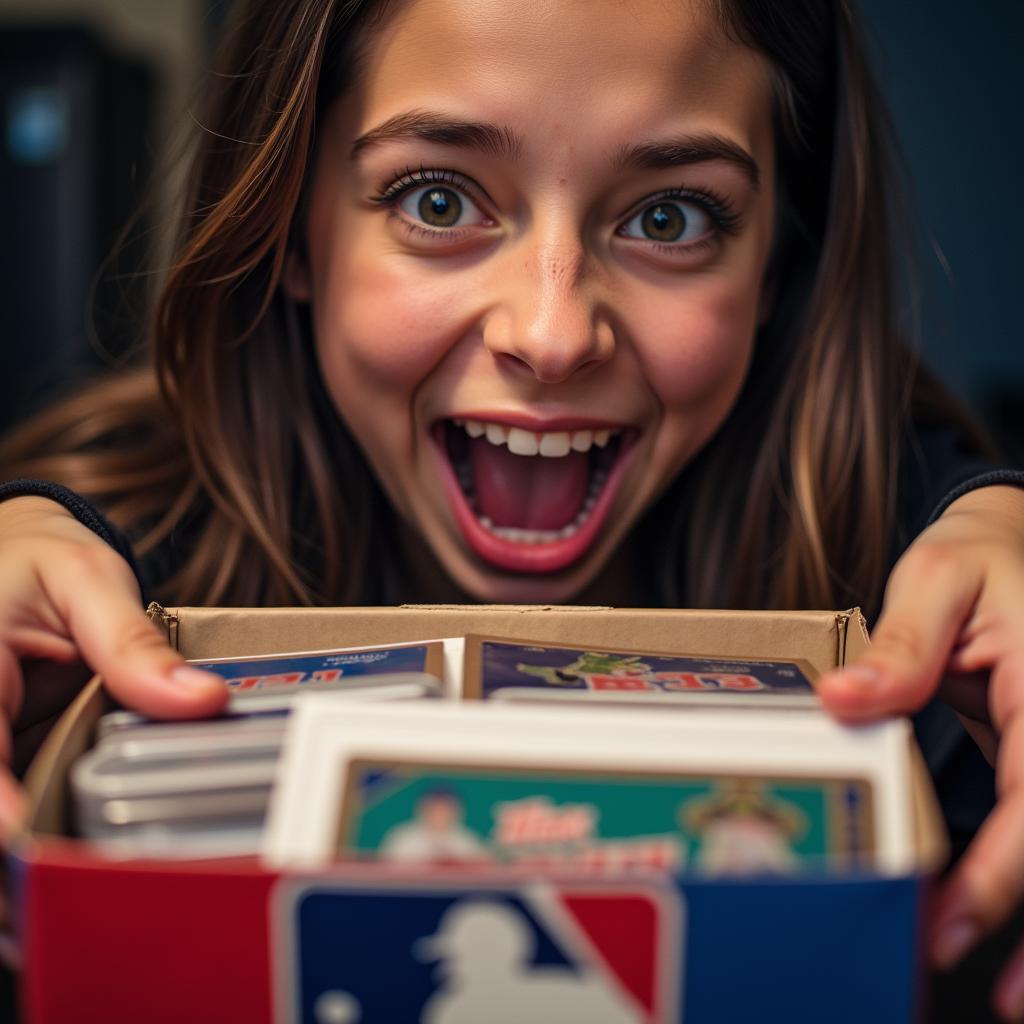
<point>468,951</point>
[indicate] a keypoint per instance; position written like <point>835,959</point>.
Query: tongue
<point>531,492</point>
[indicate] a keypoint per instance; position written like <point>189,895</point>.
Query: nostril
<point>513,363</point>
<point>552,370</point>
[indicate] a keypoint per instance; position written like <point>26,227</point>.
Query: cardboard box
<point>223,941</point>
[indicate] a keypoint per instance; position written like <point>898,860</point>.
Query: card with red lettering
<point>497,669</point>
<point>602,819</point>
<point>273,675</point>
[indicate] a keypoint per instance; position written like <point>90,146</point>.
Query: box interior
<point>826,639</point>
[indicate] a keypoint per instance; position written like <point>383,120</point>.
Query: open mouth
<point>526,500</point>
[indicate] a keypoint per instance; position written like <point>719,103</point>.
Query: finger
<point>141,670</point>
<point>1006,689</point>
<point>99,602</point>
<point>39,642</point>
<point>926,604</point>
<point>6,744</point>
<point>1010,760</point>
<point>986,886</point>
<point>1008,997</point>
<point>12,808</point>
<point>11,685</point>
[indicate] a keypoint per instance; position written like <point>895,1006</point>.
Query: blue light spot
<point>36,126</point>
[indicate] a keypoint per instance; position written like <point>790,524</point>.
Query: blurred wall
<point>94,96</point>
<point>952,74</point>
<point>169,34</point>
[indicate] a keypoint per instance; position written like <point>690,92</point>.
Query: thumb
<point>138,666</point>
<point>925,608</point>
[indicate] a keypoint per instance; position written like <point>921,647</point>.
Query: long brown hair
<point>227,458</point>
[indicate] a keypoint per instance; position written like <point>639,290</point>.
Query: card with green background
<point>555,816</point>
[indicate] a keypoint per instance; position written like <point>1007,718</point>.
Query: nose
<point>547,321</point>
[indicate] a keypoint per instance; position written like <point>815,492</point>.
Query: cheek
<point>380,321</point>
<point>696,351</point>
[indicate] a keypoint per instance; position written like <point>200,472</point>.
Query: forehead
<point>565,72</point>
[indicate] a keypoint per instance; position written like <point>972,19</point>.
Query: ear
<point>295,276</point>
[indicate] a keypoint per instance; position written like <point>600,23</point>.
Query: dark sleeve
<point>85,513</point>
<point>937,468</point>
<point>990,478</point>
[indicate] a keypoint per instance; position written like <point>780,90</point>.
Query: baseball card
<point>292,672</point>
<point>554,817</point>
<point>497,669</point>
<point>268,708</point>
<point>350,774</point>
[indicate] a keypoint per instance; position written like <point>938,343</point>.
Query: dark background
<point>85,115</point>
<point>952,74</point>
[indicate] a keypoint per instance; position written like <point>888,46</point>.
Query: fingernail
<point>192,678</point>
<point>864,677</point>
<point>953,941</point>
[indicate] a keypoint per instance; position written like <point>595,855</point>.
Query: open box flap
<point>930,838</point>
<point>819,637</point>
<point>46,779</point>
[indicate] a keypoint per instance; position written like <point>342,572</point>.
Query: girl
<point>568,301</point>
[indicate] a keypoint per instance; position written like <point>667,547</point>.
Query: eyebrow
<point>429,127</point>
<point>686,150</point>
<point>503,143</point>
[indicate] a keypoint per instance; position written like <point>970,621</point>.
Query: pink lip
<point>514,556</point>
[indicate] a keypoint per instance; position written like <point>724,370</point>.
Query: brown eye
<point>664,222</point>
<point>439,207</point>
<point>668,222</point>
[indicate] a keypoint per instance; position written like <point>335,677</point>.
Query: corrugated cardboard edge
<point>852,635</point>
<point>164,620</point>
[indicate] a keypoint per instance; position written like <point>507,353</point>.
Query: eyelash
<point>723,216</point>
<point>409,179</point>
<point>716,206</point>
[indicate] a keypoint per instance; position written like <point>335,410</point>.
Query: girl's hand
<point>67,597</point>
<point>953,623</point>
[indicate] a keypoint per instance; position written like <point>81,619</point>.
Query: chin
<point>491,585</point>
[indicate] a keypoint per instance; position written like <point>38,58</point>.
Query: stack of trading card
<point>517,767</point>
<point>763,791</point>
<point>201,788</point>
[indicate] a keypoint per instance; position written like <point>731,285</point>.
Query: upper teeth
<point>552,444</point>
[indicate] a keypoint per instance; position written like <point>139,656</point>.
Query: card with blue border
<point>502,669</point>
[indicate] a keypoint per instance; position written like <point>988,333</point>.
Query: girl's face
<point>536,243</point>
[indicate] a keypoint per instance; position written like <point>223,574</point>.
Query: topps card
<point>326,738</point>
<point>318,669</point>
<point>554,817</point>
<point>497,669</point>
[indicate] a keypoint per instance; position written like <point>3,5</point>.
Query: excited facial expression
<point>536,240</point>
